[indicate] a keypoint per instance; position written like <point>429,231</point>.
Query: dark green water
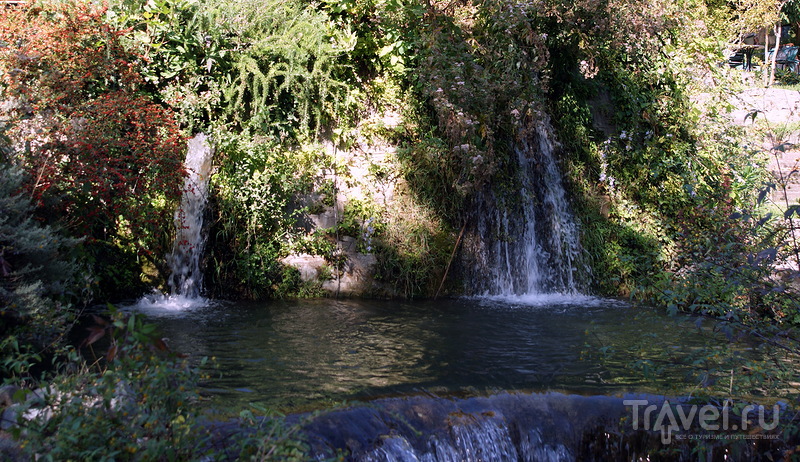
<point>303,354</point>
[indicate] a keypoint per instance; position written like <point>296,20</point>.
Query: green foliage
<point>413,247</point>
<point>725,266</point>
<point>478,82</point>
<point>271,440</point>
<point>625,253</point>
<point>424,163</point>
<point>273,68</point>
<point>274,75</point>
<point>361,219</point>
<point>136,407</point>
<point>172,36</point>
<point>101,156</point>
<point>787,77</point>
<point>287,79</point>
<point>40,280</point>
<point>19,358</point>
<point>729,264</point>
<point>642,158</point>
<point>256,201</point>
<point>136,401</point>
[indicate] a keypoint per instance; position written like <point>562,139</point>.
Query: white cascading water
<point>531,246</point>
<point>186,278</point>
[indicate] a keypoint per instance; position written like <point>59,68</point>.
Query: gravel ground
<point>781,109</point>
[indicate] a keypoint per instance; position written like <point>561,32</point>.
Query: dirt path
<point>781,110</point>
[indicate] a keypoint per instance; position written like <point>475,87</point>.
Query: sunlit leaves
<point>101,153</point>
<point>793,209</point>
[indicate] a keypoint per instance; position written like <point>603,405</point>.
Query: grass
<point>795,87</point>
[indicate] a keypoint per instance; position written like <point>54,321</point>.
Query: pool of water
<point>300,354</point>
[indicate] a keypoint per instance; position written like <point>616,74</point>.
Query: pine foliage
<point>37,272</point>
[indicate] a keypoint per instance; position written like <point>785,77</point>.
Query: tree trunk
<point>775,54</point>
<point>765,65</point>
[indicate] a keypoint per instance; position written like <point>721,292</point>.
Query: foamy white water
<point>184,262</point>
<point>158,304</point>
<point>530,242</point>
<point>186,278</point>
<point>552,299</point>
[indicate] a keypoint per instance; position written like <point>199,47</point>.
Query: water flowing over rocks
<point>527,242</point>
<point>497,428</point>
<point>184,262</point>
<point>510,427</point>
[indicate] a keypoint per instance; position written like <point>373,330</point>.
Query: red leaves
<point>103,150</point>
<point>96,332</point>
<point>57,46</point>
<point>112,352</point>
<point>123,333</point>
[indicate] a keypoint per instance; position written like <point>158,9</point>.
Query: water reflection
<point>286,354</point>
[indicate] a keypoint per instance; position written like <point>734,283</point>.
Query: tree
<point>98,150</point>
<point>766,15</point>
<point>792,12</point>
<point>38,277</point>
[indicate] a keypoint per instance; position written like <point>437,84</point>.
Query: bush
<point>40,281</point>
<point>138,401</point>
<point>134,403</point>
<point>272,67</point>
<point>787,77</point>
<point>257,213</point>
<point>99,153</point>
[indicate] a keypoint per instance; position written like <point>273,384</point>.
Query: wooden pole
<point>447,268</point>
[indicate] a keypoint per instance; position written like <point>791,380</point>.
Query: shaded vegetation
<point>98,101</point>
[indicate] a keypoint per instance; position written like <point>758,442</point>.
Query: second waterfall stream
<point>527,243</point>
<point>187,277</point>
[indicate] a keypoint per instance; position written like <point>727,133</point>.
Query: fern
<point>285,77</point>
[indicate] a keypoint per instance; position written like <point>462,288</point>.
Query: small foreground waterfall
<point>503,427</point>
<point>186,279</point>
<point>525,240</point>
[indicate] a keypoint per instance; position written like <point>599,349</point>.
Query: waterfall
<point>513,427</point>
<point>525,239</point>
<point>186,279</point>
